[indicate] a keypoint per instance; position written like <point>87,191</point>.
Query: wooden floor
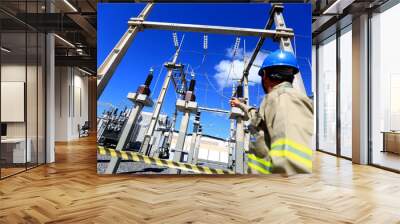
<point>387,159</point>
<point>5,172</point>
<point>70,191</point>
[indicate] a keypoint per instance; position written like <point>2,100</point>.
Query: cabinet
<point>391,142</point>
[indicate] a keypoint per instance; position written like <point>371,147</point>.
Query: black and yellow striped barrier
<point>137,157</point>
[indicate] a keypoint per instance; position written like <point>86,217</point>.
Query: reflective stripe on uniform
<point>259,164</point>
<point>298,147</point>
<point>297,153</point>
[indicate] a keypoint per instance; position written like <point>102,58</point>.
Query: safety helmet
<point>279,58</point>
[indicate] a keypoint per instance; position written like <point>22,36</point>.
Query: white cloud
<point>232,68</point>
<point>239,53</point>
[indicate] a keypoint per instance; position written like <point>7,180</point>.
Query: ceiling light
<point>5,50</point>
<point>84,71</point>
<point>328,10</point>
<point>337,7</point>
<point>65,41</point>
<point>70,5</point>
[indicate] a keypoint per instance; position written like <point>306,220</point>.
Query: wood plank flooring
<point>70,191</point>
<point>10,171</point>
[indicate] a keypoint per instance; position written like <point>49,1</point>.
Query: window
<point>346,92</point>
<point>327,95</point>
<point>22,77</point>
<point>385,89</point>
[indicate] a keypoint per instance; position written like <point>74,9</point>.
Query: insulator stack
<point>175,38</point>
<point>149,78</point>
<point>205,42</point>
<point>197,117</point>
<point>192,84</point>
<point>239,91</point>
<point>236,46</point>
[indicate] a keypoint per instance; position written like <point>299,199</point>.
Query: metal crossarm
<point>210,29</point>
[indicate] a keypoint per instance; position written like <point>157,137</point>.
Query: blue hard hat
<point>279,58</point>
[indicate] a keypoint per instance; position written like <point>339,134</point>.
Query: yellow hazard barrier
<point>126,155</point>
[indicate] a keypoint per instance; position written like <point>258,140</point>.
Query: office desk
<point>391,141</point>
<point>13,150</point>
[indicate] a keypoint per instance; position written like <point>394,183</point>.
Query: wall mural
<point>180,92</point>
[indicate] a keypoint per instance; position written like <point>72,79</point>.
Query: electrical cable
<point>206,75</point>
<point>159,74</point>
<point>212,85</point>
<point>158,77</point>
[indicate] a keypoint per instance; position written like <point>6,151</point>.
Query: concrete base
<point>140,98</point>
<point>183,106</point>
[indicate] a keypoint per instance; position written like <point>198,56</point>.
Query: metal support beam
<point>107,68</point>
<point>231,144</point>
<point>232,137</point>
<point>187,107</point>
<point>246,142</point>
<point>285,44</point>
<point>210,29</point>
<point>239,152</point>
<point>192,145</point>
<point>171,132</point>
<point>160,100</point>
<point>238,115</point>
<point>194,137</point>
<point>246,89</point>
<point>260,42</point>
<point>213,110</point>
<point>140,101</point>
<point>276,16</point>
<point>180,143</point>
<point>197,145</point>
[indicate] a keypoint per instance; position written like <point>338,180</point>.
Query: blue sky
<point>151,48</point>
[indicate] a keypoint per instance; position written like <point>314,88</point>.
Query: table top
<point>391,132</point>
<point>13,140</point>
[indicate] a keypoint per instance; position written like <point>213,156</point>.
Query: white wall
<point>71,102</point>
<point>17,73</point>
<point>209,149</point>
<point>12,73</point>
<point>33,126</point>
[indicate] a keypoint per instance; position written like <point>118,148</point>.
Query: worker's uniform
<point>281,131</point>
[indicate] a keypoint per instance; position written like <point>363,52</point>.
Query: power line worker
<point>281,129</point>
